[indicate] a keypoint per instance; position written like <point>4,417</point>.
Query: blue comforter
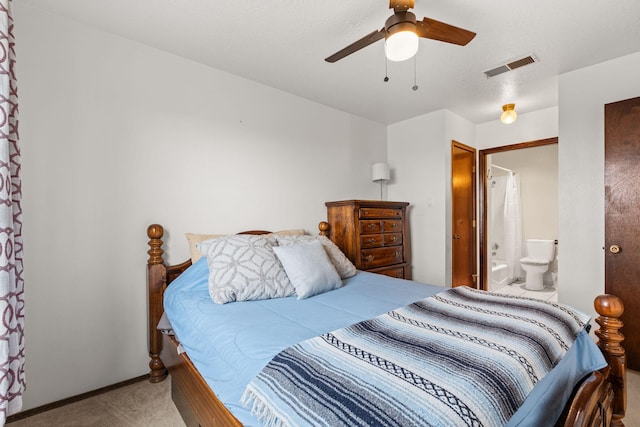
<point>230,344</point>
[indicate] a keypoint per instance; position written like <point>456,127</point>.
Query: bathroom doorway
<point>518,201</point>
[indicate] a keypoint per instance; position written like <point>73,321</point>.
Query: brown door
<point>463,224</point>
<point>622,217</point>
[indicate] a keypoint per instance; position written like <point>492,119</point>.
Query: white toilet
<point>540,253</point>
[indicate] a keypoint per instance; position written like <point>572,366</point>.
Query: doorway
<point>463,212</point>
<point>507,221</point>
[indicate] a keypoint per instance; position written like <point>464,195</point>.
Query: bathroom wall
<point>538,170</point>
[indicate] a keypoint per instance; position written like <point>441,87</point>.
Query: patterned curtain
<point>11,281</point>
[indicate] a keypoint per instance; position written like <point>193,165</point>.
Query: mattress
<point>229,344</point>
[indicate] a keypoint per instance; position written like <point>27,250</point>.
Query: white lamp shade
<point>380,172</point>
<point>401,46</point>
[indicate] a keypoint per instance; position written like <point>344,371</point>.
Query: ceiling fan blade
<point>370,38</point>
<point>431,29</point>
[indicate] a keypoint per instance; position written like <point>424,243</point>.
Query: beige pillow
<point>193,239</point>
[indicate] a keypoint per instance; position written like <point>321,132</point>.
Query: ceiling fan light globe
<point>401,45</point>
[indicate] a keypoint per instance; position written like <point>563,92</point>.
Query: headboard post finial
<point>155,233</point>
<point>610,308</point>
<point>324,228</point>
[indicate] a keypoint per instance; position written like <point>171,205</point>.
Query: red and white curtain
<point>11,273</point>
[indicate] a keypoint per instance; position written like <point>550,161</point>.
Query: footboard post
<point>156,283</point>
<point>610,308</point>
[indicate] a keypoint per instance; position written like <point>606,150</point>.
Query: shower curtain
<point>512,228</point>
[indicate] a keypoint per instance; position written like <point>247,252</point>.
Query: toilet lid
<point>535,261</point>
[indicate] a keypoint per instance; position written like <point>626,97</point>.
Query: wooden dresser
<point>373,234</point>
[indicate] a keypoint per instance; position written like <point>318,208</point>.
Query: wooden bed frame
<point>599,400</point>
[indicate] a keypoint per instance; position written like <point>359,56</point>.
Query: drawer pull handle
<point>370,226</point>
<point>369,258</point>
<point>394,238</point>
<point>397,253</point>
<point>372,241</point>
<point>366,212</point>
<point>393,225</point>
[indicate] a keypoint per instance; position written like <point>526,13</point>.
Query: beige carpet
<point>144,404</point>
<point>137,405</point>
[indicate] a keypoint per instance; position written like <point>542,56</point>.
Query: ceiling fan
<point>401,33</point>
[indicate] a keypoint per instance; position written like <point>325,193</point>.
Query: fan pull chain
<point>386,72</point>
<point>415,73</point>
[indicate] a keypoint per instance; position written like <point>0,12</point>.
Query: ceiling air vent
<point>511,65</point>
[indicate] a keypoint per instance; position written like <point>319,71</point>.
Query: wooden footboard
<point>599,400</point>
<point>610,308</point>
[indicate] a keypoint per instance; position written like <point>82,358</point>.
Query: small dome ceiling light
<point>509,114</point>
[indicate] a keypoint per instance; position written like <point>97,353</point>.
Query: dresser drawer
<point>379,257</point>
<point>372,240</point>
<point>380,213</point>
<point>392,239</point>
<point>370,226</point>
<point>379,240</point>
<point>397,272</point>
<point>391,226</point>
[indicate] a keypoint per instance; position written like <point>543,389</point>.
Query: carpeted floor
<point>137,405</point>
<point>144,404</point>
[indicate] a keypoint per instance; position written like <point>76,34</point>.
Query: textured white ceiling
<point>283,43</point>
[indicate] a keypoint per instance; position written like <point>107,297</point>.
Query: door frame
<point>473,247</point>
<point>482,226</point>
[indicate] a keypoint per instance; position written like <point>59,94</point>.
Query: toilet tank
<point>539,248</point>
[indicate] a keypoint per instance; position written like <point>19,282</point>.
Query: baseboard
<point>73,399</point>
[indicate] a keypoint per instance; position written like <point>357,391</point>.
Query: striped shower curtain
<point>11,279</point>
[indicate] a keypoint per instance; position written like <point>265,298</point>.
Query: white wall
<point>582,95</point>
<point>415,150</point>
<point>419,153</point>
<point>115,136</point>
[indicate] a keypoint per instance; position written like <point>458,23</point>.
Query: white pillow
<point>308,268</point>
<point>244,267</point>
<point>344,267</point>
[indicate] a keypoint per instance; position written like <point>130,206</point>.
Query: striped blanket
<point>462,357</point>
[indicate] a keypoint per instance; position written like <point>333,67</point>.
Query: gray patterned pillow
<point>344,267</point>
<point>243,268</point>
